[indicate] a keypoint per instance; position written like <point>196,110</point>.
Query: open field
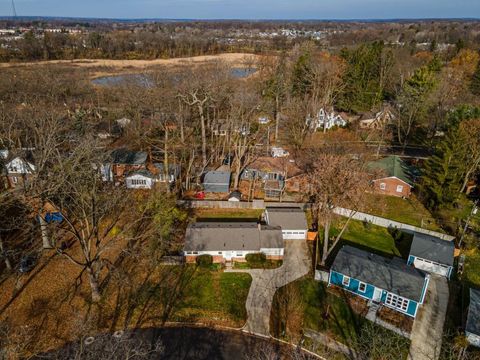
<point>234,59</point>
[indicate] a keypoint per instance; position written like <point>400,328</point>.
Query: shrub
<point>256,259</point>
<point>204,261</point>
<point>397,235</point>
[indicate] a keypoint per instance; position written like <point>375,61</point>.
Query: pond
<point>145,80</point>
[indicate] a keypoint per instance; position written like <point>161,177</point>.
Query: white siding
<point>294,234</point>
<point>18,166</point>
<point>236,253</point>
<point>431,267</point>
<point>139,182</point>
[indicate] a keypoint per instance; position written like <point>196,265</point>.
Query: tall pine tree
<point>475,83</point>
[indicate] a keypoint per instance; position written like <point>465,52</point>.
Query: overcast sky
<point>246,9</point>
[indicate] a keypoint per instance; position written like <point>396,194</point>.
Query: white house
<point>292,220</point>
<point>141,179</point>
<point>325,121</point>
<point>377,122</point>
<point>472,329</point>
<point>276,151</point>
<point>227,242</point>
<point>432,254</point>
<point>263,120</point>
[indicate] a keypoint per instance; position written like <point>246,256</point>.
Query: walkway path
<point>296,263</point>
<point>427,329</point>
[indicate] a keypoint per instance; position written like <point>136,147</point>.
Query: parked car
<point>27,263</point>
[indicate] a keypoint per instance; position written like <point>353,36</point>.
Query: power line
<point>13,9</point>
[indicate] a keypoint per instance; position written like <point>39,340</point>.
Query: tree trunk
<point>8,264</point>
<point>94,285</point>
<point>277,117</point>
<point>326,235</point>
<point>204,136</point>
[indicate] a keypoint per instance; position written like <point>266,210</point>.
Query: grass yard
<point>471,273</point>
<point>409,211</point>
<point>232,214</point>
<point>306,304</point>
<point>214,295</point>
<point>372,238</point>
<point>268,264</point>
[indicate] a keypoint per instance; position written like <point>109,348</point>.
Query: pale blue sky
<point>246,9</point>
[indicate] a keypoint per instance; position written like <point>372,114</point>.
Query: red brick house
<point>397,177</point>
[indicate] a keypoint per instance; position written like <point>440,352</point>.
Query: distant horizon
<point>21,17</point>
<point>246,10</point>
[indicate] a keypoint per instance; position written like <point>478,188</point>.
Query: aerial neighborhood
<point>239,190</point>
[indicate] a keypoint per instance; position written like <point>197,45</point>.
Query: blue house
<point>390,282</point>
<point>432,254</point>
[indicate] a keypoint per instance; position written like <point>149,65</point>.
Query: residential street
<point>427,329</point>
<point>296,263</point>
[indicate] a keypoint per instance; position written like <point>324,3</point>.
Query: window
<point>399,188</point>
<point>195,253</point>
<point>239,253</point>
<point>14,179</point>
<point>346,281</point>
<point>138,182</point>
<point>397,302</point>
<point>362,287</point>
<point>383,186</point>
<point>219,253</point>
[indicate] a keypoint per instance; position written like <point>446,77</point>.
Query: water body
<point>186,343</point>
<point>145,80</point>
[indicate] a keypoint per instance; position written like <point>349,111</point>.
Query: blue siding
<point>412,308</point>
<point>337,278</point>
<point>411,259</point>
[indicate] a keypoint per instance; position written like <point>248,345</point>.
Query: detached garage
<point>217,181</point>
<point>432,254</point>
<point>292,220</point>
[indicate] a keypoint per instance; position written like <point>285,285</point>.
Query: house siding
<point>216,188</point>
<point>337,279</point>
<point>391,184</point>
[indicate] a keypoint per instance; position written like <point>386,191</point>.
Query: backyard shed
<point>217,181</point>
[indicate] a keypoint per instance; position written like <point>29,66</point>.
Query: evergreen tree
<point>442,174</point>
<point>301,78</point>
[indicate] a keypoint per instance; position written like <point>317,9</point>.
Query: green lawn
<point>471,273</point>
<point>212,295</point>
<point>409,211</point>
<point>371,237</point>
<point>244,214</point>
<point>325,312</point>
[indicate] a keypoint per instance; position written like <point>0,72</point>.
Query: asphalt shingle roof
<point>220,236</point>
<point>217,177</point>
<point>393,166</point>
<point>393,275</point>
<point>433,249</point>
<point>473,317</point>
<point>291,218</point>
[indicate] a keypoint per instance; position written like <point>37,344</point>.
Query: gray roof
<point>289,218</point>
<point>217,177</point>
<point>393,275</point>
<point>433,248</point>
<point>124,156</point>
<point>221,236</point>
<point>473,317</point>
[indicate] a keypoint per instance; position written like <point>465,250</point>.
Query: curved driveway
<point>296,264</point>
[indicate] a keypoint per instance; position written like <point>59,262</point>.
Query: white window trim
<point>399,188</point>
<point>397,302</point>
<point>383,186</point>
<point>360,285</point>
<point>346,281</point>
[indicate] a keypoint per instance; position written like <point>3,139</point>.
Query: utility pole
<point>472,212</point>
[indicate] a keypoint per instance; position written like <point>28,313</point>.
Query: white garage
<point>432,254</point>
<point>292,220</point>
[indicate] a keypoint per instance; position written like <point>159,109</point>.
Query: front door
<point>377,295</point>
<point>228,255</point>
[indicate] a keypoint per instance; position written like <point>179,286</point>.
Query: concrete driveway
<point>296,263</point>
<point>427,332</point>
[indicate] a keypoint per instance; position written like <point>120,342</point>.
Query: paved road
<point>185,343</point>
<point>427,329</point>
<point>296,263</point>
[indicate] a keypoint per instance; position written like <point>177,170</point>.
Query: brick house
<point>395,179</point>
<point>232,241</point>
<point>122,162</point>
